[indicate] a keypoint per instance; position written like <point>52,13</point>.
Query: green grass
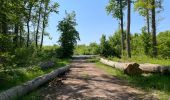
<point>13,78</point>
<point>152,83</point>
<point>144,59</point>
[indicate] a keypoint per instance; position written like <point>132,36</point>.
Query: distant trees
<point>69,35</point>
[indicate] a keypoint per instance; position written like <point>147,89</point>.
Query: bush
<point>23,56</point>
<point>164,44</point>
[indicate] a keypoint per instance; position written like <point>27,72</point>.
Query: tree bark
<point>121,25</point>
<point>38,24</point>
<point>44,25</point>
<point>128,68</point>
<point>28,27</point>
<point>128,29</point>
<point>16,35</point>
<point>148,21</point>
<point>154,41</point>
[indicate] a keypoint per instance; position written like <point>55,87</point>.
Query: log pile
<point>155,68</point>
<point>27,87</point>
<point>128,68</point>
<point>134,68</point>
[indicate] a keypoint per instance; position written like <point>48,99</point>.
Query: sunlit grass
<point>144,59</point>
<point>13,78</point>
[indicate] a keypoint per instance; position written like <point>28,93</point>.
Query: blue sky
<point>93,20</point>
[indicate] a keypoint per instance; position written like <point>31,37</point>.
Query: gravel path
<point>87,82</point>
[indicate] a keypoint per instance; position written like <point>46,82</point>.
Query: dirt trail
<point>86,82</point>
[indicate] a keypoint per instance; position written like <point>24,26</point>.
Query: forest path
<point>87,82</point>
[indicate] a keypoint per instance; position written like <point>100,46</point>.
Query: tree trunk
<point>28,27</point>
<point>148,21</point>
<point>154,31</point>
<point>20,35</point>
<point>44,25</point>
<point>128,29</point>
<point>122,31</point>
<point>16,35</point>
<point>134,68</point>
<point>38,24</point>
<point>128,68</point>
<point>27,87</point>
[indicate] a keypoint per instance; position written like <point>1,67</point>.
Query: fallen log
<point>27,87</point>
<point>128,68</point>
<point>154,68</point>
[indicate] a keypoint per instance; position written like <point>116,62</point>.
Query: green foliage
<point>137,44</point>
<point>91,49</point>
<point>164,44</point>
<point>115,42</point>
<point>105,48</point>
<point>114,7</point>
<point>23,55</point>
<point>146,38</point>
<point>69,35</point>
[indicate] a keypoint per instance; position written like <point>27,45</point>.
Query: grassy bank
<point>144,59</point>
<point>16,77</point>
<point>152,83</point>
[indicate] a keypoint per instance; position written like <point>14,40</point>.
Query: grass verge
<point>143,59</point>
<point>17,77</point>
<point>152,83</point>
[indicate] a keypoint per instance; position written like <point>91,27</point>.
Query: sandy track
<point>86,82</point>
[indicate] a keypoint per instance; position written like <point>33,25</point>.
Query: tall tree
<point>38,22</point>
<point>69,35</point>
<point>47,10</point>
<point>115,8</point>
<point>30,7</point>
<point>154,30</point>
<point>128,28</point>
<point>144,9</point>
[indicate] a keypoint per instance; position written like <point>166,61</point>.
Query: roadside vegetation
<point>155,84</point>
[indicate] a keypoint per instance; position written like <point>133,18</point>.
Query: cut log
<point>155,68</point>
<point>128,68</point>
<point>133,68</point>
<point>27,87</point>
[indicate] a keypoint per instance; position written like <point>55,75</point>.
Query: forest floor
<point>87,82</point>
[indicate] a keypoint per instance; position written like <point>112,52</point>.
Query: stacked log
<point>155,68</point>
<point>27,87</point>
<point>134,68</point>
<point>128,68</point>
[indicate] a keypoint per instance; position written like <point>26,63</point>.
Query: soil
<point>87,82</point>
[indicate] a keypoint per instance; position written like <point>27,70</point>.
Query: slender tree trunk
<point>44,25</point>
<point>38,24</point>
<point>154,31</point>
<point>28,26</point>
<point>128,29</point>
<point>148,21</point>
<point>16,35</point>
<point>20,35</point>
<point>122,31</point>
